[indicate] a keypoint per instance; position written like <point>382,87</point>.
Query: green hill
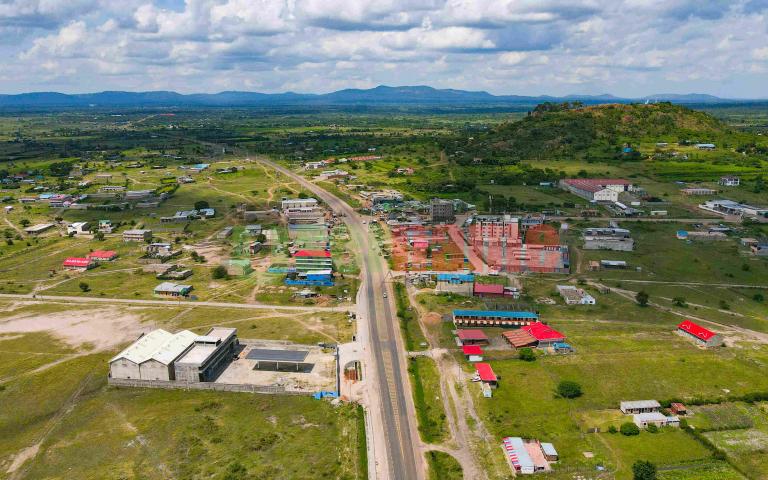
<point>596,132</point>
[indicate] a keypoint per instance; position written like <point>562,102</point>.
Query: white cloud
<point>629,47</point>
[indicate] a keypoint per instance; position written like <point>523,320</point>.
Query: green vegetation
<point>425,378</point>
<point>643,470</point>
<point>443,466</point>
<point>568,389</point>
<point>629,429</point>
<point>409,324</point>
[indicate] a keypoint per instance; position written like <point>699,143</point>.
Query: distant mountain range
<point>378,96</point>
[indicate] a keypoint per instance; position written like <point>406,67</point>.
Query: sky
<point>628,48</point>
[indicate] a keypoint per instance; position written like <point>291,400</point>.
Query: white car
<point>385,295</point>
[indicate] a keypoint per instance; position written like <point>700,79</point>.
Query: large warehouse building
<point>151,357</point>
<point>208,356</point>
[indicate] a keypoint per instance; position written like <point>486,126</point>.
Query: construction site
<point>507,245</point>
<point>419,247</point>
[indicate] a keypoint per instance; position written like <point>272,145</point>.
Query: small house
<point>678,408</point>
<point>79,228</point>
<point>486,374</point>
<point>78,264</point>
<point>639,406</point>
<point>549,452</point>
<point>137,235</point>
<point>472,337</point>
<point>643,420</point>
<point>102,255</point>
<point>105,226</point>
<point>473,353</point>
<point>729,181</point>
<point>700,335</point>
<point>168,289</point>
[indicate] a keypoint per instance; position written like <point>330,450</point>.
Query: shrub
<point>84,287</point>
<point>568,389</point>
<point>642,298</point>
<point>652,428</point>
<point>527,354</point>
<point>643,470</point>
<point>219,272</point>
<point>201,204</point>
<point>629,429</point>
<point>613,429</point>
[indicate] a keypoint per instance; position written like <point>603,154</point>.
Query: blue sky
<point>528,47</point>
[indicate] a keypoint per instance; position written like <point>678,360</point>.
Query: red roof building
<point>544,334</point>
<point>488,290</point>
<point>485,372</point>
<point>699,334</point>
<point>102,255</point>
<point>472,350</point>
<point>313,253</point>
<point>472,337</point>
<point>76,263</point>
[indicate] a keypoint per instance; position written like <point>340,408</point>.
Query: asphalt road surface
<point>383,341</point>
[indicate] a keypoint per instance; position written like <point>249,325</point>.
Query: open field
<point>55,363</point>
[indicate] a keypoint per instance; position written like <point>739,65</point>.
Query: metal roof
<point>640,404</point>
<point>159,345</point>
<point>462,277</point>
<point>650,416</point>
<point>548,449</point>
<point>696,330</point>
<point>263,354</point>
<point>485,372</point>
<point>494,313</point>
<point>517,453</point>
<point>172,287</point>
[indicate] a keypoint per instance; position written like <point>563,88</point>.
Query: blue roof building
<point>493,318</point>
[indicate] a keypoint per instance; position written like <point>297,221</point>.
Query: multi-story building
<point>441,210</point>
<point>597,189</point>
<point>307,260</point>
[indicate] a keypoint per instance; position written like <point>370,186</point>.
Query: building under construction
<point>506,244</point>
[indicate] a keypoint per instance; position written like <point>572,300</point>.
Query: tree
<point>629,429</point>
<point>24,222</point>
<point>201,204</point>
<point>84,287</point>
<point>643,470</point>
<point>219,272</point>
<point>99,236</point>
<point>526,354</point>
<point>758,297</point>
<point>680,302</point>
<point>568,389</point>
<point>642,298</point>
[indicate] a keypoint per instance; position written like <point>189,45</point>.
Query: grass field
<point>433,425</point>
<point>443,467</point>
<point>136,433</point>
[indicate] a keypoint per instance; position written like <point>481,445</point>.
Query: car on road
<point>385,295</point>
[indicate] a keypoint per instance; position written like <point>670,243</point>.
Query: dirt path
<point>457,404</point>
<point>13,226</point>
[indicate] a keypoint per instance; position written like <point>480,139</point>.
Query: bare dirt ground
<point>457,402</point>
<point>101,328</point>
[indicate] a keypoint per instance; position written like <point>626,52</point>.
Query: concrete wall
<point>122,368</point>
<point>222,387</point>
<point>154,370</point>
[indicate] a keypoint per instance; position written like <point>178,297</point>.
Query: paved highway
<point>393,418</point>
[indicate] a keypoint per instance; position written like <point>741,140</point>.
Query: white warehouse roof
<point>640,404</point>
<point>157,345</point>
